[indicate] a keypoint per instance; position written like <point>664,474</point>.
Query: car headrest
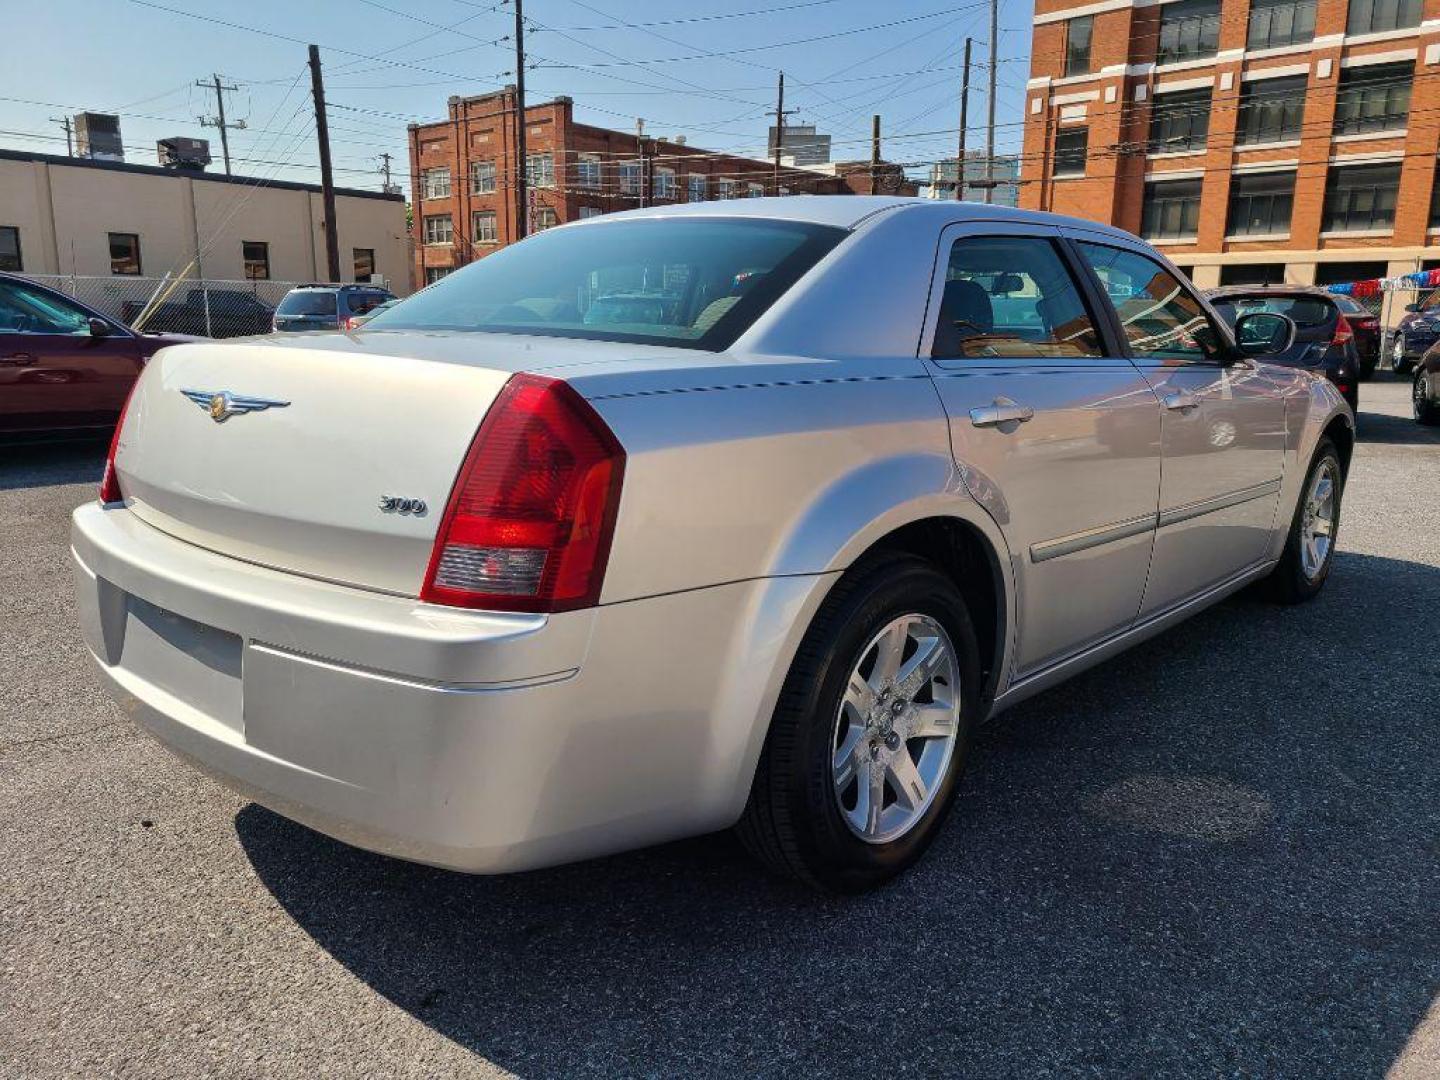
<point>965,311</point>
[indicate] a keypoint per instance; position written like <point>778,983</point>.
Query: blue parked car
<point>1417,331</point>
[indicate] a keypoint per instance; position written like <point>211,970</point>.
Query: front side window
<point>1274,23</point>
<point>1189,30</point>
<point>438,229</point>
<point>1373,98</point>
<point>1180,121</point>
<point>1171,210</point>
<point>1260,204</point>
<point>10,248</point>
<point>540,170</point>
<point>1271,110</point>
<point>696,283</point>
<point>364,263</point>
<point>1361,198</point>
<point>483,229</point>
<point>695,188</point>
<point>1161,317</point>
<point>664,183</point>
<point>256,256</point>
<point>1011,296</point>
<point>587,171</point>
<point>1078,33</point>
<point>1070,149</point>
<point>1373,16</point>
<point>124,253</point>
<point>26,310</point>
<point>436,183</point>
<point>482,177</point>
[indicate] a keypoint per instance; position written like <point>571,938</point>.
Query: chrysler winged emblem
<point>222,404</point>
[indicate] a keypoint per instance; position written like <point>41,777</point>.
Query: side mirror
<point>1263,333</point>
<point>99,327</point>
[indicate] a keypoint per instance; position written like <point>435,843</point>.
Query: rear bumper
<point>479,741</point>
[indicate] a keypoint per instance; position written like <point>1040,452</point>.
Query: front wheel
<point>1426,411</point>
<point>869,736</point>
<point>1310,548</point>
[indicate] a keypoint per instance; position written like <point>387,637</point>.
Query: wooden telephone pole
<point>522,216</point>
<point>218,120</point>
<point>327,177</point>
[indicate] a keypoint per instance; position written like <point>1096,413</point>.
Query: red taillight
<point>529,522</point>
<point>110,480</point>
<point>348,323</point>
<point>1343,334</point>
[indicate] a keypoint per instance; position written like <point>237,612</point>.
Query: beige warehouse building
<point>84,217</point>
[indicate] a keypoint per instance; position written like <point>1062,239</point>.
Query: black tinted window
<point>680,281</point>
<point>1307,311</point>
<point>307,303</point>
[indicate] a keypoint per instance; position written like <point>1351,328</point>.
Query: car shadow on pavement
<point>1375,427</point>
<point>1216,853</point>
<point>33,465</point>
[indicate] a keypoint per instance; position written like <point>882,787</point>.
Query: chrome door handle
<point>1180,400</point>
<point>1003,411</point>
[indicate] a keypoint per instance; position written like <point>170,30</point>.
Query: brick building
<point>461,167</point>
<point>1255,140</point>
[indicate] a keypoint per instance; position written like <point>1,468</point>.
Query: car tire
<point>1300,575</point>
<point>1398,363</point>
<point>802,819</point>
<point>1426,411</point>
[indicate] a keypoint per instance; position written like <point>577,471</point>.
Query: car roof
<point>847,211</point>
<point>320,286</point>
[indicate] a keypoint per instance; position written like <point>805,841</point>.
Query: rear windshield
<point>1305,310</point>
<point>307,303</point>
<point>697,283</point>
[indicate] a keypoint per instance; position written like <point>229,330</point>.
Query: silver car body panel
<point>257,613</point>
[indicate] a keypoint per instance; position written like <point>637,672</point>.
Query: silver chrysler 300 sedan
<point>736,512</point>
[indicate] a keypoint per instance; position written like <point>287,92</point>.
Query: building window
<point>255,255</point>
<point>1372,16</point>
<point>1180,121</point>
<point>1171,210</point>
<point>439,230</point>
<point>1338,273</point>
<point>1189,30</point>
<point>630,178</point>
<point>589,212</point>
<point>10,248</point>
<point>1070,147</point>
<point>1434,207</point>
<point>1361,198</point>
<point>665,183</point>
<point>1260,204</point>
<point>435,183</point>
<point>727,189</point>
<point>545,218</point>
<point>364,260</point>
<point>435,273</point>
<point>1280,22</point>
<point>754,191</point>
<point>540,170</point>
<point>1271,110</point>
<point>124,253</point>
<point>1253,274</point>
<point>695,188</point>
<point>587,171</point>
<point>483,229</point>
<point>482,177</point>
<point>1078,33</point>
<point>1373,98</point>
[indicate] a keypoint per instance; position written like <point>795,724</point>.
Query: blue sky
<point>678,65</point>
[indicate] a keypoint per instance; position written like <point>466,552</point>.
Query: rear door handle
<point>1180,400</point>
<point>1002,411</point>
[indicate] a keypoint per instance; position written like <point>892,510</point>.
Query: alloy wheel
<point>1317,520</point>
<point>897,728</point>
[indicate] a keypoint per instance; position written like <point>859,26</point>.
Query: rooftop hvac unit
<point>183,152</point>
<point>97,135</point>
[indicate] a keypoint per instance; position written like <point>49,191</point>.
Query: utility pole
<point>875,154</point>
<point>327,179</point>
<point>218,120</point>
<point>990,104</point>
<point>385,171</point>
<point>522,218</point>
<point>640,153</point>
<point>64,121</point>
<point>964,123</point>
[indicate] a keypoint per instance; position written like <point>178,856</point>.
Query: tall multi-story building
<point>464,202</point>
<point>1006,172</point>
<point>1255,140</point>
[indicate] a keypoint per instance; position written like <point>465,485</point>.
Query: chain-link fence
<point>210,308</point>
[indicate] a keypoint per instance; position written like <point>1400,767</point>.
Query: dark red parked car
<point>65,369</point>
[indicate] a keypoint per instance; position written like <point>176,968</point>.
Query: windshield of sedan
<point>692,282</point>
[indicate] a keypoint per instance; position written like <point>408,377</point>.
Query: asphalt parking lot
<point>1217,854</point>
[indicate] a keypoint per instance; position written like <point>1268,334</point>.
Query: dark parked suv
<point>327,307</point>
<point>1324,339</point>
<point>1417,331</point>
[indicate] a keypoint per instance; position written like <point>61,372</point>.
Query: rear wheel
<point>869,736</point>
<point>1426,411</point>
<point>1310,548</point>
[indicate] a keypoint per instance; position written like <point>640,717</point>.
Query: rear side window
<point>1161,317</point>
<point>693,282</point>
<point>360,303</point>
<point>1011,296</point>
<point>307,303</point>
<point>1307,311</point>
